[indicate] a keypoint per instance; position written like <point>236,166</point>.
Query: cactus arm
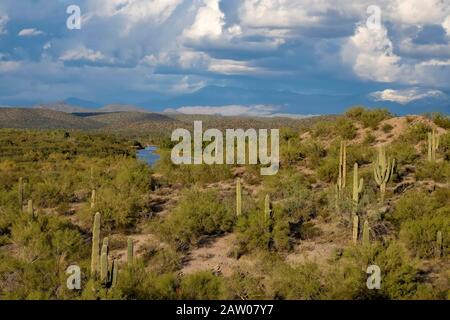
<point>366,233</point>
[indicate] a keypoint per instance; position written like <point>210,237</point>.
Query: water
<point>148,155</point>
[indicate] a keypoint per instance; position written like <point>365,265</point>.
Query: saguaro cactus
<point>238,197</point>
<point>20,191</point>
<point>383,170</point>
<point>357,187</point>
<point>366,234</point>
<point>355,229</point>
<point>104,264</point>
<point>115,273</point>
<point>342,170</point>
<point>130,251</point>
<point>30,210</point>
<point>93,198</point>
<point>433,145</point>
<point>439,244</point>
<point>95,254</point>
<point>267,208</point>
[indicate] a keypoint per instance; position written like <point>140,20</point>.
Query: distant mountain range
<point>288,102</point>
<point>73,108</point>
<point>138,122</point>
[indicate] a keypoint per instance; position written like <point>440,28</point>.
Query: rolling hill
<point>24,118</point>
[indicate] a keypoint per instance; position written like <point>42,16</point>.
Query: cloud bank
<point>135,50</point>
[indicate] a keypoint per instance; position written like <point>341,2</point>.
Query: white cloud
<point>231,67</point>
<point>406,95</point>
<point>208,22</point>
<point>3,22</point>
<point>283,13</point>
<point>371,55</point>
<point>135,10</point>
<point>419,12</point>
<point>30,32</point>
<point>82,54</point>
<point>446,25</point>
<point>229,110</point>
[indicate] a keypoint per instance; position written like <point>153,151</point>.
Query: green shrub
<point>441,120</point>
<point>198,214</point>
<point>302,282</point>
<point>345,129</point>
<point>386,128</point>
<point>244,285</point>
<point>136,283</point>
<point>368,117</point>
<point>420,234</point>
<point>437,171</point>
<point>415,133</point>
<point>202,285</point>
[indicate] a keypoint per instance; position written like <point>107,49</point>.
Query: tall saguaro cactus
<point>93,198</point>
<point>130,251</point>
<point>104,264</point>
<point>433,145</point>
<point>439,244</point>
<point>340,186</point>
<point>383,170</point>
<point>366,234</point>
<point>95,254</point>
<point>357,187</point>
<point>238,197</point>
<point>267,209</point>
<point>115,272</point>
<point>30,209</point>
<point>355,229</point>
<point>20,191</point>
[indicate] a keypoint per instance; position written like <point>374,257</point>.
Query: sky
<point>231,57</point>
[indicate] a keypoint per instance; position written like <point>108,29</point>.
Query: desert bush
<point>420,234</point>
<point>323,129</point>
<point>345,129</point>
<point>441,120</point>
<point>437,171</point>
<point>136,283</point>
<point>386,128</point>
<point>400,276</point>
<point>198,214</point>
<point>244,285</point>
<point>301,282</point>
<point>444,146</point>
<point>202,285</point>
<point>368,117</point>
<point>403,153</point>
<point>369,138</point>
<point>415,133</point>
<point>190,174</point>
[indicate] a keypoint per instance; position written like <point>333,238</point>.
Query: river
<point>148,155</point>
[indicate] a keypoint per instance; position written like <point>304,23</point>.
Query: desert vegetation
<point>364,188</point>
